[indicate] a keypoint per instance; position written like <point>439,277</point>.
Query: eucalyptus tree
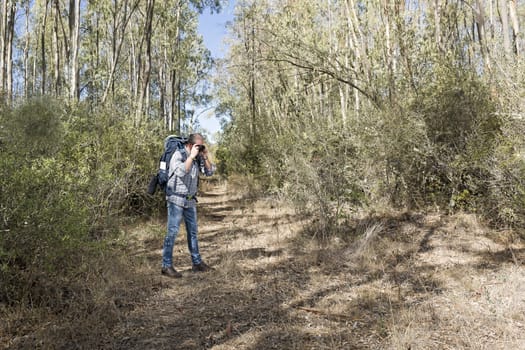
<point>7,31</point>
<point>144,57</point>
<point>181,63</point>
<point>402,87</point>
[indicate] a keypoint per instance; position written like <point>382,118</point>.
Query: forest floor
<point>396,281</point>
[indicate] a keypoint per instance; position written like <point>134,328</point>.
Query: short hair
<point>193,138</point>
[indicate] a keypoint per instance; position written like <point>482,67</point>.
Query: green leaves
<point>407,95</point>
<point>64,186</point>
<point>34,128</point>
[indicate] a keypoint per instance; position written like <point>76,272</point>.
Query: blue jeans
<point>175,215</point>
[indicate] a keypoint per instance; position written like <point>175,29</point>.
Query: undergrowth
<point>68,178</point>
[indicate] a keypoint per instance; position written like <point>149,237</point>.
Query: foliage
<point>144,58</point>
<point>75,167</point>
<point>365,103</point>
<point>451,141</point>
<point>64,184</point>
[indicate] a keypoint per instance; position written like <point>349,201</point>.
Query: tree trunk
<point>162,89</point>
<point>173,99</point>
<point>503,11</point>
<point>94,57</point>
<point>133,71</point>
<point>10,31</point>
<point>389,52</point>
<point>179,78</point>
<point>56,49</point>
<point>164,84</point>
<point>147,97</point>
<point>146,67</point>
<point>3,31</point>
<point>513,4</point>
<point>175,86</point>
<point>26,52</point>
<point>480,21</point>
<point>179,104</point>
<point>249,34</point>
<point>43,49</point>
<point>74,43</point>
<point>353,46</point>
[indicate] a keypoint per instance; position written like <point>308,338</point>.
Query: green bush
<point>443,141</point>
<point>67,179</point>
<point>505,204</point>
<point>43,220</point>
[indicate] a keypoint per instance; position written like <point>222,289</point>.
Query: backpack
<point>171,144</point>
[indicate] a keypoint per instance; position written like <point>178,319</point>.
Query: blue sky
<point>212,27</point>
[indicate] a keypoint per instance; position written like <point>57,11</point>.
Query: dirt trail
<point>401,282</point>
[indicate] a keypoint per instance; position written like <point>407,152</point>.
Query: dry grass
<point>81,310</point>
<point>397,281</point>
<point>475,312</point>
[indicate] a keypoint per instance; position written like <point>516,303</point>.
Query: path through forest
<point>404,281</point>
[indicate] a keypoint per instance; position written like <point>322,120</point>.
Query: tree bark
<point>74,43</point>
<point>3,31</point>
<point>146,66</point>
<point>249,34</point>
<point>162,89</point>
<point>389,58</point>
<point>56,49</point>
<point>43,49</point>
<point>10,31</point>
<point>175,86</point>
<point>513,4</point>
<point>171,114</point>
<point>480,22</point>
<point>26,52</point>
<point>133,71</point>
<point>503,11</point>
<point>180,104</point>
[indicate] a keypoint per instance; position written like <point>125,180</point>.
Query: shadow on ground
<point>298,295</point>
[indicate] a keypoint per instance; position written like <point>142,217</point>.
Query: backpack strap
<point>184,156</point>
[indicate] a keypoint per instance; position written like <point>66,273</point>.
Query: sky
<point>212,27</point>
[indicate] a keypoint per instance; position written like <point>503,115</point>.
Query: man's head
<point>195,139</point>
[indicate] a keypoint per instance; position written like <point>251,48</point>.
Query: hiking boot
<point>202,267</point>
<point>171,272</point>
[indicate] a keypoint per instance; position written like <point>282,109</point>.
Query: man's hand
<point>194,151</point>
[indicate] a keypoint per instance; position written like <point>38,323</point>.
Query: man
<point>182,203</point>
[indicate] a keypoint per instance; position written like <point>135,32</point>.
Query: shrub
<point>44,220</point>
<point>66,177</point>
<point>450,133</point>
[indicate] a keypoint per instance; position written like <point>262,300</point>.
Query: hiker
<point>182,201</point>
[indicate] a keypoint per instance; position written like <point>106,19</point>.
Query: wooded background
<point>88,92</point>
<point>410,103</point>
<point>143,57</point>
<point>334,105</point>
